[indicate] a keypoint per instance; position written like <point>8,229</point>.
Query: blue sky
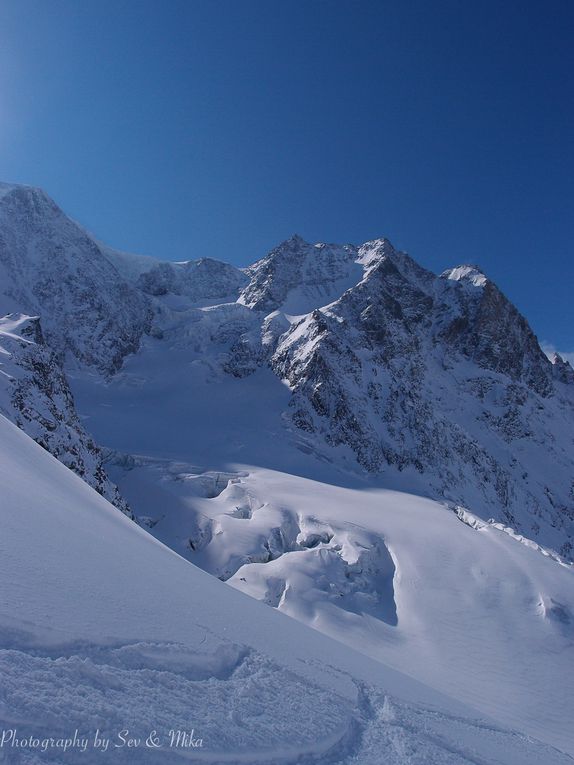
<point>218,128</point>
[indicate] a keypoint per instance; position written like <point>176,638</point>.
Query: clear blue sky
<point>189,128</point>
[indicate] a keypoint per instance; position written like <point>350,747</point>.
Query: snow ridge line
<point>478,524</point>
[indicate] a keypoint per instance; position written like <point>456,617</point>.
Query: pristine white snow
<point>472,612</point>
<point>103,628</point>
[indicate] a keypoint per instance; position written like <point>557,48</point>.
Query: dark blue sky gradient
<point>218,128</point>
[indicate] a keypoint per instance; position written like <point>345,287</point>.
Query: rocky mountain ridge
<point>443,376</point>
<point>392,370</point>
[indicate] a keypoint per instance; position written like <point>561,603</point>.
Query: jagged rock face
<point>340,363</point>
<point>489,330</point>
<point>562,370</point>
<point>49,266</point>
<point>35,394</point>
<point>198,280</point>
<point>298,276</point>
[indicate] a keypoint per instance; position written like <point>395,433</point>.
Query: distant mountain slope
<point>199,280</point>
<point>50,267</point>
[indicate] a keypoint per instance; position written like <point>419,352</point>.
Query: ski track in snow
<point>245,709</point>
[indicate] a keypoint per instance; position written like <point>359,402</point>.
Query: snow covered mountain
<point>50,267</point>
<point>394,370</point>
<point>442,376</point>
<point>381,453</point>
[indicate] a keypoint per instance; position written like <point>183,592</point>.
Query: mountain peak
<point>7,188</point>
<point>297,239</point>
<point>49,265</point>
<point>31,200</point>
<point>562,369</point>
<point>466,273</point>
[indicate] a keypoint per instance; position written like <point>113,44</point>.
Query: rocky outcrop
<point>35,395</point>
<point>562,370</point>
<point>490,331</point>
<point>298,276</point>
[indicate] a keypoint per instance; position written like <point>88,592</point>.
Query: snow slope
<point>103,628</point>
<point>474,613</point>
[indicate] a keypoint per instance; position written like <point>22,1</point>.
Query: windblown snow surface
<point>104,629</point>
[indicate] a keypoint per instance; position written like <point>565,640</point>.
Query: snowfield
<point>482,616</point>
<point>105,629</point>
